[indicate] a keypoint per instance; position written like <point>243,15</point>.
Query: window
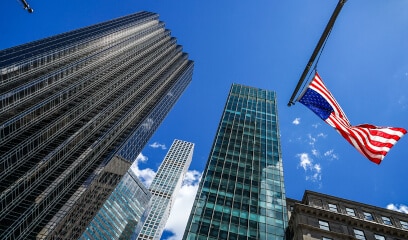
<point>359,234</point>
<point>326,238</point>
<point>333,207</point>
<point>386,220</point>
<point>404,224</point>
<point>317,203</point>
<point>350,212</point>
<point>324,225</point>
<point>368,216</point>
<point>379,237</point>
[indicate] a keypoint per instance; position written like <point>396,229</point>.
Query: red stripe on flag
<point>358,141</point>
<point>318,85</point>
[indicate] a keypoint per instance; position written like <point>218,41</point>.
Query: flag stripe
<point>319,87</point>
<point>388,133</point>
<point>338,110</point>
<point>363,140</point>
<point>371,141</point>
<point>358,142</point>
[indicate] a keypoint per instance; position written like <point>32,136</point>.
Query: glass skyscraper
<point>121,213</point>
<point>242,194</point>
<point>164,188</point>
<point>75,111</point>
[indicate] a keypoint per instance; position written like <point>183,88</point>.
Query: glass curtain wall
<point>71,104</point>
<point>242,194</point>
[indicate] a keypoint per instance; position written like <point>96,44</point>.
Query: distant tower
<point>164,188</point>
<point>76,109</point>
<point>242,194</point>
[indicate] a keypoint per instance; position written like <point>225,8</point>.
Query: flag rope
<point>328,28</point>
<point>314,70</point>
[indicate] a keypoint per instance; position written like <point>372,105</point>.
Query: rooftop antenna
<point>319,45</point>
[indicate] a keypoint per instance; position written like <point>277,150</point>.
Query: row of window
<point>254,92</point>
<point>101,144</point>
<point>368,216</point>
<point>147,127</point>
<point>358,234</point>
<point>56,101</point>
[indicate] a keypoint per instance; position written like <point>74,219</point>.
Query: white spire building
<point>164,188</point>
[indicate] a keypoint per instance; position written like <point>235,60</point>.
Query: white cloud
<point>313,170</point>
<point>312,140</point>
<point>330,154</point>
<point>315,152</point>
<point>316,176</point>
<point>191,178</point>
<point>182,205</point>
<point>158,145</point>
<point>141,158</point>
<point>317,168</point>
<point>305,160</point>
<point>145,175</point>
<point>316,125</point>
<point>398,207</point>
<point>296,121</point>
<point>322,135</point>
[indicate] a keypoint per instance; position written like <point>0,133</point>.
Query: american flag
<point>371,141</point>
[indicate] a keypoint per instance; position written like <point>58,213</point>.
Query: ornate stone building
<point>325,217</point>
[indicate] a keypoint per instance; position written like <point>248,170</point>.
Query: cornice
<point>348,220</point>
<point>322,196</point>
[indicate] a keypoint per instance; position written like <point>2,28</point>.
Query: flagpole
<point>319,45</point>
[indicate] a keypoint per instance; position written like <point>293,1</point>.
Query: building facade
<point>242,194</point>
<point>164,188</point>
<point>325,217</point>
<point>75,110</point>
<point>125,208</point>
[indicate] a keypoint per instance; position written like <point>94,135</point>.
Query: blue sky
<point>267,44</point>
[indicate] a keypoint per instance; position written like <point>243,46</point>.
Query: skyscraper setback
<point>241,194</point>
<point>75,110</point>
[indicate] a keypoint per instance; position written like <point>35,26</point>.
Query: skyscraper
<point>164,188</point>
<point>75,110</point>
<point>241,194</point>
<point>123,210</point>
